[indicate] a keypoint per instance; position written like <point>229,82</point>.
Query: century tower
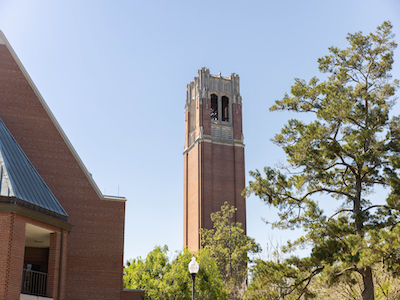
<point>214,153</point>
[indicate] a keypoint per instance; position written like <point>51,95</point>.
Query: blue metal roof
<point>19,178</point>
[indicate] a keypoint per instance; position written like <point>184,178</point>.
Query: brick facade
<point>93,262</point>
<point>38,256</point>
<point>12,252</point>
<point>213,158</point>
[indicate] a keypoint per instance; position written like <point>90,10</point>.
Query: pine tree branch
<point>349,166</point>
<point>343,178</point>
<point>394,225</point>
<point>328,191</point>
<point>335,164</point>
<point>352,268</point>
<point>356,123</point>
<point>338,212</point>
<point>313,273</point>
<point>377,205</point>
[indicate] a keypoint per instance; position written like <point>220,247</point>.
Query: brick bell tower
<point>213,159</point>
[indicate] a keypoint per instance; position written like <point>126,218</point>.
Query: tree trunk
<point>368,292</point>
<point>357,205</point>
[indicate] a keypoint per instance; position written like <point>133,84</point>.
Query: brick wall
<point>191,213</point>
<point>213,174</point>
<point>15,256</point>
<point>37,256</point>
<point>12,252</point>
<point>7,239</point>
<point>95,246</point>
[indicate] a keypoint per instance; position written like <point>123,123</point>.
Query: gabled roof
<point>19,178</point>
<point>4,41</point>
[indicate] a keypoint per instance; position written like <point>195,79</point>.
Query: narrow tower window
<point>214,107</point>
<point>225,109</point>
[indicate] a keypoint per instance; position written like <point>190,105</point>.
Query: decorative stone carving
<point>205,83</point>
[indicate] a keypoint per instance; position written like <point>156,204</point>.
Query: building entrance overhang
<point>26,209</point>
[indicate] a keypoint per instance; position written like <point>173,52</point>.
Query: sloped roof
<point>19,178</point>
<point>4,41</point>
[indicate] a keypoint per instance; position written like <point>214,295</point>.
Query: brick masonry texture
<point>37,255</point>
<point>214,173</point>
<point>12,255</point>
<point>93,260</point>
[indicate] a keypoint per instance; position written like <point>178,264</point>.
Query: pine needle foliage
<point>351,147</point>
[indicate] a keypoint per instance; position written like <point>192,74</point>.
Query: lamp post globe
<point>193,269</point>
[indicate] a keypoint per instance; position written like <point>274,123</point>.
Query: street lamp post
<point>193,269</point>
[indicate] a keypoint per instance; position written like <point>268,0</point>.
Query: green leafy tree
<point>352,146</point>
<point>273,280</point>
<point>148,274</point>
<point>230,247</point>
<point>208,284</point>
<point>164,280</point>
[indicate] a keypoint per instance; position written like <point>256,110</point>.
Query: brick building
<point>60,237</point>
<point>214,153</point>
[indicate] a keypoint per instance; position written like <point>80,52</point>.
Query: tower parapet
<point>221,96</point>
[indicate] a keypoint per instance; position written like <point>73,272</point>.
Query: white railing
<point>33,283</point>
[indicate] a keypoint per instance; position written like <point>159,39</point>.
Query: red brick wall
<point>95,245</point>
<point>214,173</point>
<point>15,256</point>
<point>5,221</point>
<point>240,181</point>
<point>37,255</point>
<point>12,251</point>
<point>237,121</point>
<point>192,212</point>
<point>11,256</point>
<point>54,264</point>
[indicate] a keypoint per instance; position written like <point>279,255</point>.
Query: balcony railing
<point>33,283</point>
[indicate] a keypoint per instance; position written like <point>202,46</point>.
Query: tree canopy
<point>166,280</point>
<point>352,146</point>
<point>230,247</point>
<point>222,265</point>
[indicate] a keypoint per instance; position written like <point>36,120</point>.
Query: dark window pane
<point>214,107</point>
<point>225,109</point>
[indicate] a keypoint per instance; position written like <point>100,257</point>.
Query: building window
<point>225,109</point>
<point>220,109</point>
<point>214,107</point>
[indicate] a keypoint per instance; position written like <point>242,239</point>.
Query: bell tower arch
<point>214,152</point>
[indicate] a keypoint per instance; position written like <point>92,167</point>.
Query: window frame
<point>223,117</point>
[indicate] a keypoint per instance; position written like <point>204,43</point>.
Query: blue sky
<point>114,73</point>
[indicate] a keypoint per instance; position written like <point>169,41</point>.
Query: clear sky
<point>114,74</point>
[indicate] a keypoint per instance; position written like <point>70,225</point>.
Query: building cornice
<point>210,139</point>
<point>114,198</point>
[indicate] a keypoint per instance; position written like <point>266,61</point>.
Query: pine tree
<point>352,146</point>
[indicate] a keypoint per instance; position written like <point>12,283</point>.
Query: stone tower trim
<point>214,152</point>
